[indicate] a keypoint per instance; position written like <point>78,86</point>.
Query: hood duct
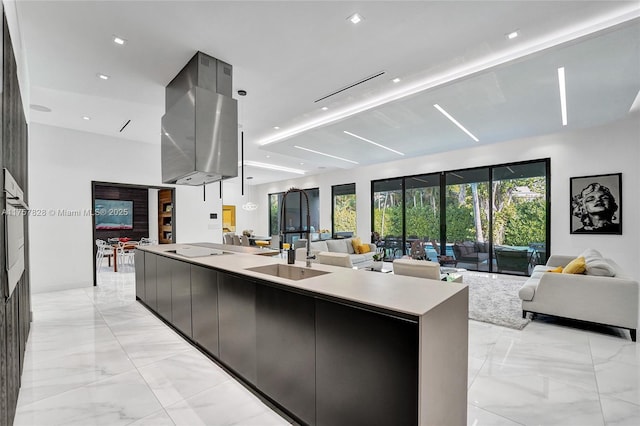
<point>200,125</point>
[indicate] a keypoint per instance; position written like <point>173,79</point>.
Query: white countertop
<point>408,295</point>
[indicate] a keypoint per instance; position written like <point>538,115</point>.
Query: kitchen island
<point>326,345</point>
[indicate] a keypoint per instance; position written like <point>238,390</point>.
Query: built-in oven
<point>15,210</point>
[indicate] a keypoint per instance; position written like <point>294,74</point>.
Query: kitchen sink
<point>287,271</point>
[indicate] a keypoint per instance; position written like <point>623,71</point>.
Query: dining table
<point>128,245</point>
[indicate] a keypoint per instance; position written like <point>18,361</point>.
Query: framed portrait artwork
<point>596,204</point>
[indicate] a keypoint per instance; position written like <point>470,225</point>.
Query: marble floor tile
<point>96,356</point>
<point>620,413</point>
<point>119,400</point>
<point>159,418</point>
<point>182,376</point>
<point>569,363</point>
<point>610,348</point>
<point>619,380</point>
<point>478,417</point>
<point>229,403</point>
<point>536,400</point>
<point>51,376</point>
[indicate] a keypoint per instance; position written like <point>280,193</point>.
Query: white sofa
<point>339,246</point>
<point>609,300</point>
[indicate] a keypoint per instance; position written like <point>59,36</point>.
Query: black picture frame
<point>595,204</point>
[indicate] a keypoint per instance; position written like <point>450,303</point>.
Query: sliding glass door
<point>467,217</point>
<point>493,218</point>
<point>422,213</point>
<point>519,217</point>
<point>388,216</point>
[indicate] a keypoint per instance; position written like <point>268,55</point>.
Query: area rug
<point>494,299</point>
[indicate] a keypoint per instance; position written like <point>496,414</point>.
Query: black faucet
<point>282,221</point>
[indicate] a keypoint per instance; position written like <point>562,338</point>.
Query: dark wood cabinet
<point>366,367</point>
<point>150,281</point>
<point>181,297</point>
<point>237,324</point>
<point>163,285</point>
<point>139,262</point>
<point>204,308</point>
<point>286,349</point>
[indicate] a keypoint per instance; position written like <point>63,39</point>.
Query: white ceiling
<point>288,54</point>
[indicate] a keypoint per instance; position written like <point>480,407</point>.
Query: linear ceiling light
<point>454,121</point>
<point>326,155</point>
<point>517,50</point>
<point>563,95</point>
<point>372,142</point>
<point>273,167</point>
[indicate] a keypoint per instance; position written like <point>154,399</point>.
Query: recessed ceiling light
<point>324,108</point>
<point>268,156</point>
<point>563,95</point>
<point>372,142</point>
<point>103,76</point>
<point>119,40</point>
<point>513,34</point>
<point>86,117</point>
<point>302,164</point>
<point>273,167</point>
<point>396,80</point>
<point>454,121</point>
<point>326,155</point>
<point>276,127</point>
<point>40,108</point>
<point>355,18</point>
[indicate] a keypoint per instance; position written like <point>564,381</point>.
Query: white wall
<point>62,164</point>
<point>606,149</point>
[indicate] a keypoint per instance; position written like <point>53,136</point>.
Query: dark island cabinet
<point>286,349</point>
<point>237,324</point>
<point>181,297</point>
<point>150,281</point>
<point>163,285</point>
<point>139,262</point>
<point>366,367</point>
<point>323,361</point>
<point>204,308</point>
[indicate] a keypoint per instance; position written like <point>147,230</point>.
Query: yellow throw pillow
<point>363,248</point>
<point>556,270</point>
<point>576,266</point>
<point>356,243</point>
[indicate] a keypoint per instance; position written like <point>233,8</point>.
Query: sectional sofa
<point>340,246</point>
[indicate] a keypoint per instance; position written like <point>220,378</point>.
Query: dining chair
<point>244,240</point>
<point>236,240</point>
<point>126,252</point>
<point>103,250</point>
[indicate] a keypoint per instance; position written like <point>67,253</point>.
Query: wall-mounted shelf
<point>165,216</point>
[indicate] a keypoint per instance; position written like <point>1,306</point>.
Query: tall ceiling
<point>289,54</point>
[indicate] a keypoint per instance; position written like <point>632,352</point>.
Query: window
<point>343,213</point>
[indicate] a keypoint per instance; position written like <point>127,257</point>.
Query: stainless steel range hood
<point>200,125</point>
